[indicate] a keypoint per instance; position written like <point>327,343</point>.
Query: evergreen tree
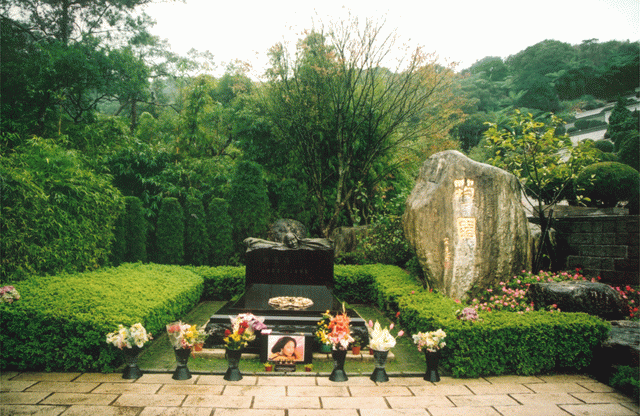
<point>220,228</point>
<point>196,242</point>
<point>170,232</point>
<point>249,204</point>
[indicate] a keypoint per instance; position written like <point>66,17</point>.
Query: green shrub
<point>119,246</point>
<point>170,232</point>
<point>196,239</point>
<point>220,230</point>
<point>627,380</point>
<point>136,231</point>
<point>248,203</point>
<point>629,152</point>
<point>604,145</point>
<point>56,214</point>
<point>60,322</point>
<point>220,283</point>
<point>607,183</point>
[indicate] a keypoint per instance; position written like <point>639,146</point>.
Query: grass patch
<point>159,356</point>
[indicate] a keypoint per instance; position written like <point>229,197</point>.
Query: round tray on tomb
<point>290,303</point>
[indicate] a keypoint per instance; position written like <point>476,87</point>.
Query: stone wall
<point>605,246</point>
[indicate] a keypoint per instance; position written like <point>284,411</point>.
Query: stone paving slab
<point>74,394</point>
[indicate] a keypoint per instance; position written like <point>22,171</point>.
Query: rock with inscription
<point>466,223</point>
<point>580,296</point>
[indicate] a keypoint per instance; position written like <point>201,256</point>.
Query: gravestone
<point>290,283</point>
<point>466,223</point>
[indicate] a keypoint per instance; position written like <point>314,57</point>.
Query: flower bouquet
<point>8,294</point>
<point>183,335</point>
<point>430,341</point>
<point>130,340</point>
<point>381,341</point>
<point>243,330</point>
<point>339,336</point>
<point>123,337</point>
<point>322,332</point>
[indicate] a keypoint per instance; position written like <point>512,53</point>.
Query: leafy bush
<point>629,152</point>
<point>607,183</point>
<point>170,232</point>
<point>220,230</point>
<point>196,236</point>
<point>604,145</point>
<point>589,124</point>
<point>61,321</point>
<point>627,380</point>
<point>57,215</point>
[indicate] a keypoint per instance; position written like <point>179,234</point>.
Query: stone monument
<point>466,222</point>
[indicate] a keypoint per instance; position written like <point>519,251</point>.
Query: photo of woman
<point>287,348</point>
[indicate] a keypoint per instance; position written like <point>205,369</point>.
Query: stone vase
<point>233,361</point>
<point>182,357</point>
<point>379,374</point>
<point>433,360</point>
<point>338,373</point>
<point>131,371</point>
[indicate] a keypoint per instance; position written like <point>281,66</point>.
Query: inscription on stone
<point>467,228</point>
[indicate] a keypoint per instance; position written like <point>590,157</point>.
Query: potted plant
<point>339,336</point>
<point>130,341</point>
<point>183,337</point>
<point>431,342</point>
<point>268,366</point>
<point>380,342</point>
<point>308,367</point>
<point>242,332</point>
<point>356,345</point>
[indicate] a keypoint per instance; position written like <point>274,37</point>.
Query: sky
<point>462,31</point>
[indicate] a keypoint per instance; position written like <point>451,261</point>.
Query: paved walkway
<point>305,395</point>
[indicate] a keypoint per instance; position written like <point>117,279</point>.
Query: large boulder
<point>466,223</point>
<point>593,298</point>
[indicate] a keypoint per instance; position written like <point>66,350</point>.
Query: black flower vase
<point>182,357</point>
<point>379,375</point>
<point>338,374</point>
<point>233,360</point>
<point>432,359</point>
<point>131,371</point>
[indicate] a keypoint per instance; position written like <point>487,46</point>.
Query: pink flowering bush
<point>512,295</point>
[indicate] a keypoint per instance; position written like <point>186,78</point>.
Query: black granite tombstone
<point>276,271</point>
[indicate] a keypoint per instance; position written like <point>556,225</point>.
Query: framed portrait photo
<point>286,348</point>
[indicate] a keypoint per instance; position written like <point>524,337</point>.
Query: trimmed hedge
<point>60,322</point>
<point>502,343</point>
<point>220,283</point>
<point>86,308</point>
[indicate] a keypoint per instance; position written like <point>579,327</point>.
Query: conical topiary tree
<point>248,203</point>
<point>135,231</point>
<point>196,238</point>
<point>220,232</point>
<point>170,232</point>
